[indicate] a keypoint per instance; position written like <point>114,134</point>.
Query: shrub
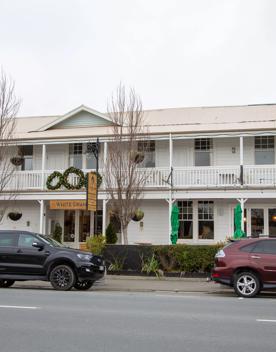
<point>150,265</point>
<point>187,258</point>
<point>110,233</point>
<point>57,235</point>
<point>96,244</point>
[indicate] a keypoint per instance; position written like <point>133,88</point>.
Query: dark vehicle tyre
<point>246,284</point>
<point>62,278</point>
<point>84,285</point>
<point>6,283</point>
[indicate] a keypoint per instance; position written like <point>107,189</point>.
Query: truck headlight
<point>84,256</point>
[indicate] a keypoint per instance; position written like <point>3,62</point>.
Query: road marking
<point>19,307</point>
<point>266,320</point>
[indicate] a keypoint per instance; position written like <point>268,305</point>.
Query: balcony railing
<point>183,178</point>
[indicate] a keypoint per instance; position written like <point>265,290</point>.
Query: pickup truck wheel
<point>247,284</point>
<point>84,285</point>
<point>62,278</point>
<point>6,283</point>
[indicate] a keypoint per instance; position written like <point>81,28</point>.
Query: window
<point>8,240</point>
<point>264,150</point>
<point>84,225</point>
<point>26,240</point>
<point>185,219</point>
<point>75,155</point>
<point>206,220</point>
<point>266,247</point>
<point>257,222</point>
<point>248,248</point>
<point>27,153</point>
<point>148,150</point>
<point>272,222</point>
<point>69,225</point>
<point>203,148</point>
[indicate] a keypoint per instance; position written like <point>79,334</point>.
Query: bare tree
<point>9,105</point>
<point>124,177</point>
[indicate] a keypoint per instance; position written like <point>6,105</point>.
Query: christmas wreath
<point>50,179</point>
<point>79,173</point>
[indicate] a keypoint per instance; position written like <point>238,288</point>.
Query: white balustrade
<point>183,177</point>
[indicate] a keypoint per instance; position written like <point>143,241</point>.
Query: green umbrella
<point>174,224</point>
<point>238,222</point>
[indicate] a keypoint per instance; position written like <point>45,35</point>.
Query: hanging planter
<point>15,216</point>
<point>138,216</point>
<point>17,160</point>
<point>137,157</point>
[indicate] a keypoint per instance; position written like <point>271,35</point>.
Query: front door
<point>69,235</point>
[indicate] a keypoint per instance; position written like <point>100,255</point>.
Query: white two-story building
<point>205,159</point>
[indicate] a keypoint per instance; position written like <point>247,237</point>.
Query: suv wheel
<point>6,283</point>
<point>246,284</point>
<point>62,278</point>
<point>84,285</point>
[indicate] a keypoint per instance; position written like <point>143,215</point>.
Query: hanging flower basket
<point>138,216</point>
<point>137,157</point>
<point>15,216</point>
<point>17,160</point>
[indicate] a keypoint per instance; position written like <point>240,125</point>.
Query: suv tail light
<point>220,254</point>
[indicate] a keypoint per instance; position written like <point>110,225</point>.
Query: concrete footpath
<point>141,284</point>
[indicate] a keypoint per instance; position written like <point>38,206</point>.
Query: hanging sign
<point>91,191</point>
<point>68,204</point>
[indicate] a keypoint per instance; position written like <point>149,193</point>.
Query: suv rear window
<point>266,246</point>
<point>248,248</point>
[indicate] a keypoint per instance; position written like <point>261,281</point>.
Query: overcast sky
<point>176,53</point>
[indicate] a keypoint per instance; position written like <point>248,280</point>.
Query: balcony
<point>215,177</point>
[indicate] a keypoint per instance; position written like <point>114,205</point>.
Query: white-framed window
<point>206,220</point>
<point>203,148</point>
<point>264,150</point>
<point>185,219</point>
<point>75,155</point>
<point>147,148</point>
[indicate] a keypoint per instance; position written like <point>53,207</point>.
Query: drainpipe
<point>241,161</point>
<point>43,166</point>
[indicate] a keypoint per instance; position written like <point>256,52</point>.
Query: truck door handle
<point>19,251</point>
<point>255,257</point>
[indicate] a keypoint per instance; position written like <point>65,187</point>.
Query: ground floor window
<point>272,222</point>
<point>257,222</point>
<point>69,225</point>
<point>206,220</point>
<point>185,220</point>
<point>84,225</point>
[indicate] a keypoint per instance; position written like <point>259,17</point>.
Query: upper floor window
<point>203,149</point>
<point>27,153</point>
<point>148,150</point>
<point>264,150</point>
<point>75,155</point>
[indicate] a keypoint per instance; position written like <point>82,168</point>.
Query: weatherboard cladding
<point>82,119</point>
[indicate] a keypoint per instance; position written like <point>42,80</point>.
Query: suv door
<point>30,260</point>
<point>8,252</point>
<point>263,256</point>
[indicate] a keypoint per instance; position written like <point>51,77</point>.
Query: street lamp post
<point>94,148</point>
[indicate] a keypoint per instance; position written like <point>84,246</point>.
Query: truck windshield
<point>49,240</point>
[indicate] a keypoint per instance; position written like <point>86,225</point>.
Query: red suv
<point>248,265</point>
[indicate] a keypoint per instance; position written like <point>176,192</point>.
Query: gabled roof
<point>96,118</point>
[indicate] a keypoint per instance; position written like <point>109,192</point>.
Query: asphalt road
<point>33,320</point>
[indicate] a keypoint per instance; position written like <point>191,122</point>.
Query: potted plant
<point>138,215</point>
<point>14,215</point>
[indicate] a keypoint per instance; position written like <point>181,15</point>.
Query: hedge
<point>171,258</point>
